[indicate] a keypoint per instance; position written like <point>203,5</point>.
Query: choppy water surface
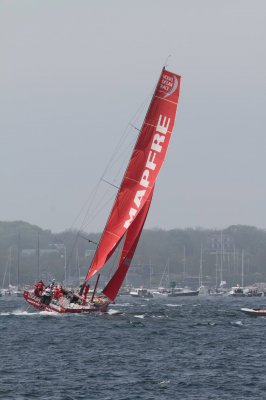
<point>185,348</point>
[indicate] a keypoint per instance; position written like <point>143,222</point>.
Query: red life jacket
<point>56,293</point>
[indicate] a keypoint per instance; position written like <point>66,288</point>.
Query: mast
<point>18,265</point>
<point>164,282</point>
<point>10,265</point>
<point>38,257</point>
<point>221,270</point>
<point>7,269</point>
<point>77,263</point>
<point>150,268</point>
<point>95,288</point>
<point>216,268</point>
<point>242,269</point>
<point>184,264</point>
<point>200,274</point>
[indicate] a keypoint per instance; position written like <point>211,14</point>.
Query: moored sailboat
<point>132,203</point>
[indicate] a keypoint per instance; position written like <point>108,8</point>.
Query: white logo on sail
<point>169,84</point>
<point>175,85</point>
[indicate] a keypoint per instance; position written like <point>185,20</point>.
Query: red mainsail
<point>143,168</point>
<point>130,244</point>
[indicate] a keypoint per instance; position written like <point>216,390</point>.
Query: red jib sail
<point>143,168</point>
<point>130,244</point>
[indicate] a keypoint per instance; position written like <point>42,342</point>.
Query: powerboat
<point>256,312</point>
<point>141,293</point>
<point>176,292</point>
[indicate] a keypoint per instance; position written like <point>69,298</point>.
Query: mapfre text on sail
<point>156,147</point>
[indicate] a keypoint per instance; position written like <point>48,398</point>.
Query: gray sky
<point>73,73</point>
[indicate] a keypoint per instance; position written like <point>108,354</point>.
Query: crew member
<point>47,296</point>
<point>57,293</point>
<point>86,291</point>
<point>38,288</point>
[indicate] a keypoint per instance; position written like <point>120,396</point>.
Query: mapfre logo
<point>168,85</point>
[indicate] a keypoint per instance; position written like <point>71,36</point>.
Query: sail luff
<point>131,241</point>
<point>143,168</point>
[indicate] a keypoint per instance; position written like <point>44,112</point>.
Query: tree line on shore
<point>167,257</point>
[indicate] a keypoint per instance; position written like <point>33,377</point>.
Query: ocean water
<point>179,348</point>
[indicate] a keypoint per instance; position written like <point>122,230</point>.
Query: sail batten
<point>143,168</point>
<point>170,101</point>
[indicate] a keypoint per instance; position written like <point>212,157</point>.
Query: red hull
<point>71,308</point>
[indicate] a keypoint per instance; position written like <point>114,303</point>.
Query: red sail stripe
<point>143,168</point>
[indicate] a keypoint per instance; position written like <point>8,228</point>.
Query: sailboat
<point>11,290</point>
<point>132,202</point>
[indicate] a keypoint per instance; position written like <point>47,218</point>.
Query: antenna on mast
<point>166,61</point>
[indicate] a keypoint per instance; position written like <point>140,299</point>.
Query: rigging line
<point>96,214</point>
<point>133,126</point>
<point>123,152</point>
<point>111,184</point>
<point>115,262</point>
<point>89,210</point>
<point>92,196</point>
<point>118,146</point>
<point>110,162</point>
<point>141,107</point>
<point>116,154</point>
<point>76,237</point>
<point>89,198</point>
<point>91,203</point>
<point>124,160</point>
<point>27,308</point>
<point>125,131</point>
<point>98,208</point>
<point>123,148</point>
<point>73,248</point>
<point>89,240</point>
<point>80,212</point>
<point>127,148</point>
<point>94,208</point>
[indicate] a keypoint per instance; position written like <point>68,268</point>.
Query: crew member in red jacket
<point>85,293</point>
<point>39,288</point>
<point>57,293</point>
